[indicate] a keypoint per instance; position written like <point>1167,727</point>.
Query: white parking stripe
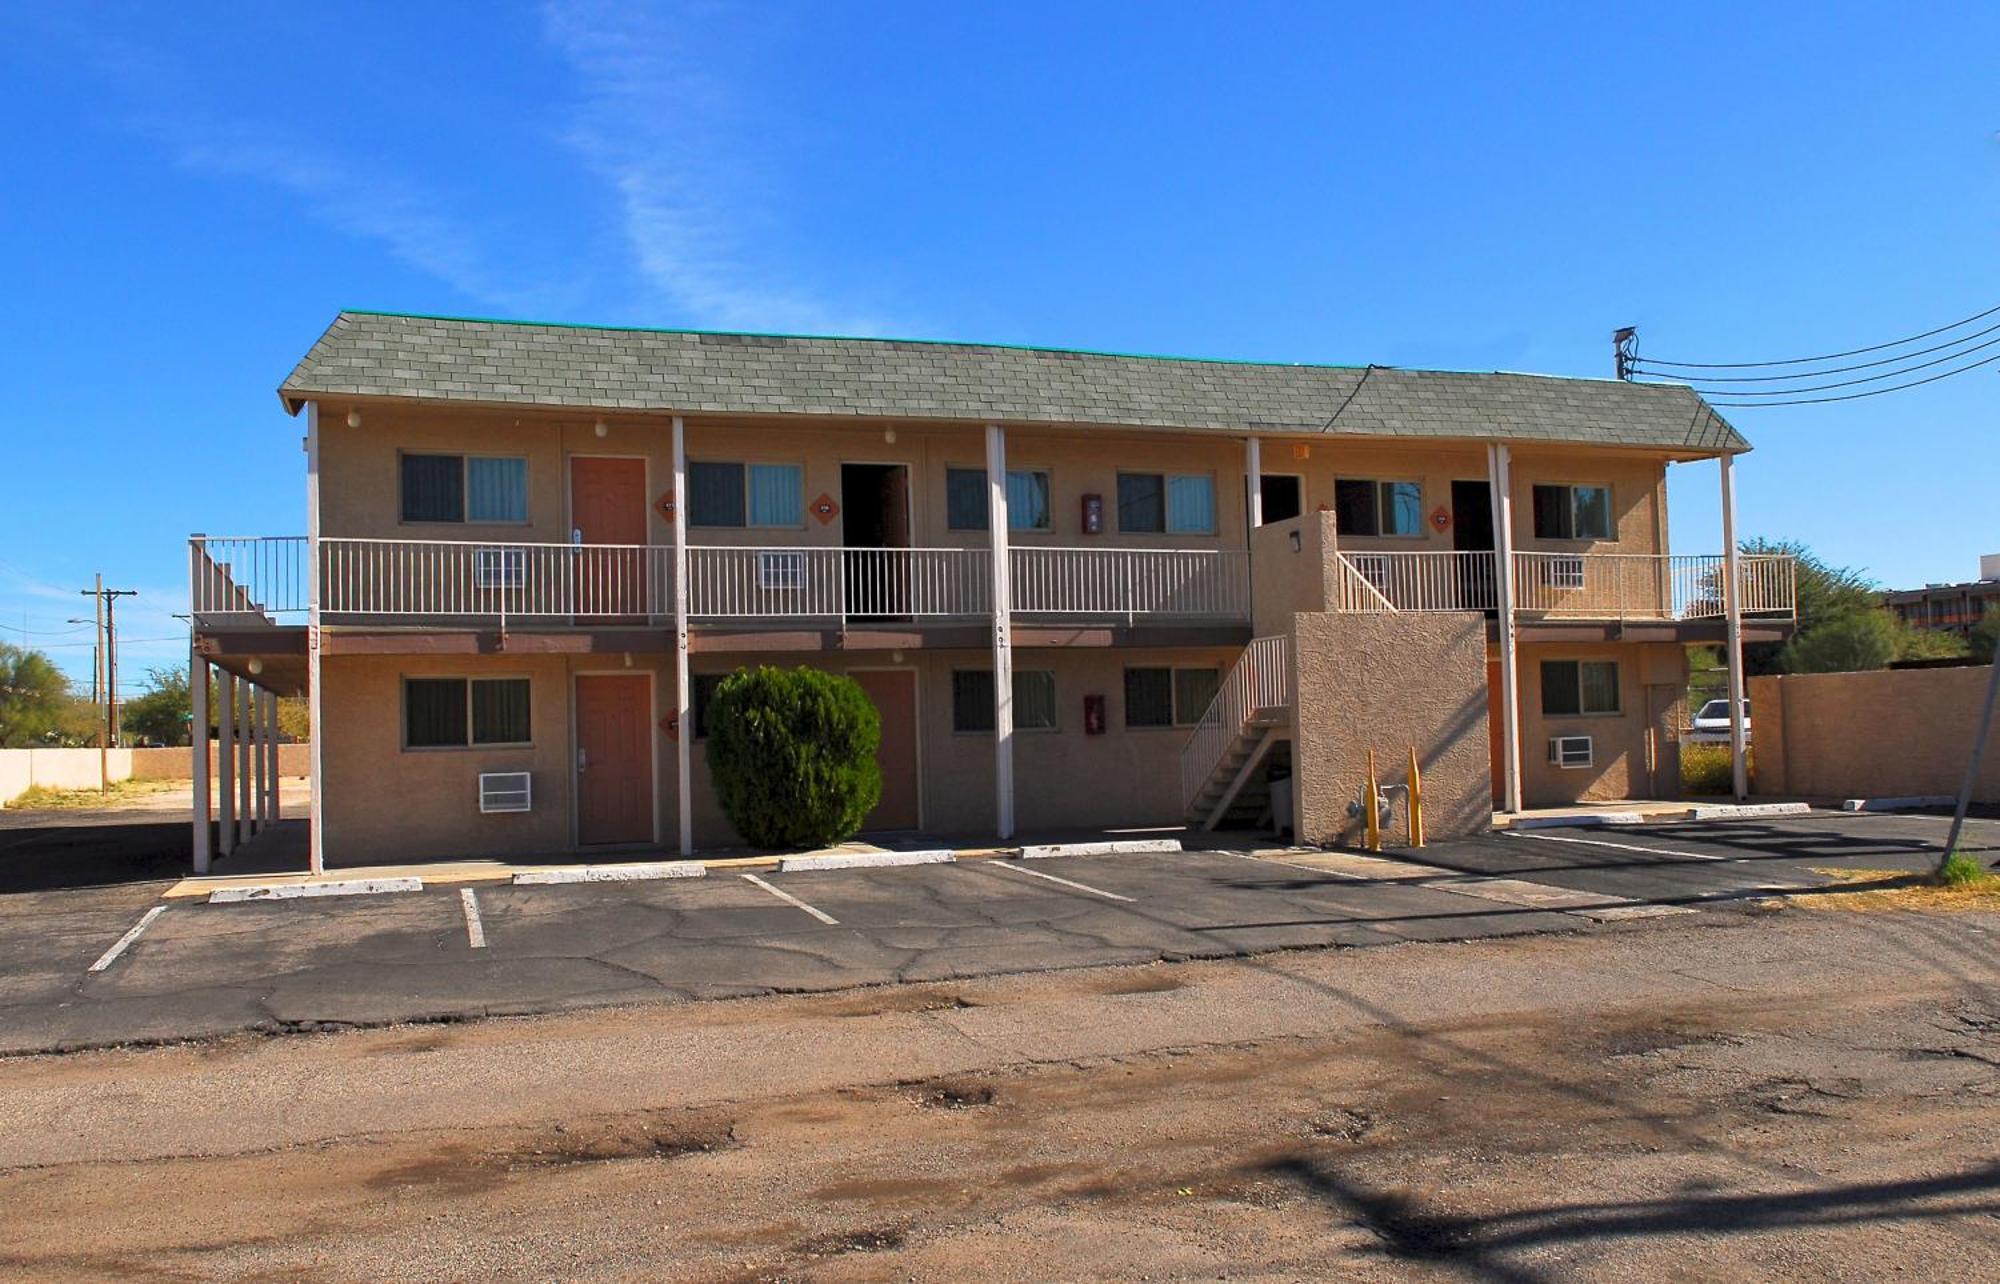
<point>1081,887</point>
<point>1628,847</point>
<point>790,899</point>
<point>475,931</point>
<point>124,942</point>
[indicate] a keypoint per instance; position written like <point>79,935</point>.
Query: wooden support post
<point>198,746</point>
<point>315,687</point>
<point>683,697</point>
<point>1003,635</point>
<point>1732,606</point>
<point>1501,481</point>
<point>225,760</point>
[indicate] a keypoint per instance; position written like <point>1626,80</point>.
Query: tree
<point>1825,594</point>
<point>1986,636</point>
<point>792,752</point>
<point>1862,640</point>
<point>1929,644</point>
<point>163,713</point>
<point>36,707</point>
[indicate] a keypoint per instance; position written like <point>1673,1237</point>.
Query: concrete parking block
<point>1115,847</point>
<point>864,860</point>
<point>628,873</point>
<point>297,891</point>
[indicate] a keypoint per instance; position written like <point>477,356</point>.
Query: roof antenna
<point>1625,350</point>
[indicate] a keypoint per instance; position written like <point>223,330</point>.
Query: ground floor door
<point>614,758</point>
<point>894,693</point>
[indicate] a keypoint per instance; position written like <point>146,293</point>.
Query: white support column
<point>198,747</point>
<point>1499,465</point>
<point>1003,632</point>
<point>683,697</point>
<point>1253,481</point>
<point>270,757</point>
<point>225,760</point>
<point>244,813</point>
<point>315,697</point>
<point>1732,609</point>
<point>254,705</point>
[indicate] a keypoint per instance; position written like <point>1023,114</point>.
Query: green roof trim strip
<point>608,368</point>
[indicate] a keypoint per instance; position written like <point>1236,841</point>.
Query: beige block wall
<point>1636,751</point>
<point>1390,682</point>
<point>178,764</point>
<point>1892,733</point>
<point>25,769</point>
<point>385,802</point>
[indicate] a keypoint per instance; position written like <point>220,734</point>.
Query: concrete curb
<point>295,891</point>
<point>1899,804</point>
<point>632,873</point>
<point>1592,821</point>
<point>1117,847</point>
<point>864,860</point>
<point>1733,811</point>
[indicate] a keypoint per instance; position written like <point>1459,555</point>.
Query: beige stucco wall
<point>1291,571</point>
<point>1390,682</point>
<point>1636,750</point>
<point>383,801</point>
<point>360,493</point>
<point>1894,733</point>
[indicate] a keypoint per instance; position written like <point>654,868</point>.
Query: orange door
<point>614,759</point>
<point>894,693</point>
<point>1496,732</point>
<point>607,505</point>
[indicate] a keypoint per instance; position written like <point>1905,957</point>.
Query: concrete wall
<point>25,769</point>
<point>383,801</point>
<point>1291,571</point>
<point>1858,735</point>
<point>178,764</point>
<point>1388,682</point>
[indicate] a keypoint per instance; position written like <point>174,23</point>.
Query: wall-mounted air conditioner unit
<point>782,571</point>
<point>504,791</point>
<point>1562,572</point>
<point>1570,751</point>
<point>499,567</point>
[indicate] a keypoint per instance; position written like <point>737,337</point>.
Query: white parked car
<point>1711,723</point>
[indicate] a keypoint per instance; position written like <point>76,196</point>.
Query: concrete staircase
<point>1244,730</point>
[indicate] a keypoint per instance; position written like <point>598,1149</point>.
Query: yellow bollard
<point>1372,803</point>
<point>1416,801</point>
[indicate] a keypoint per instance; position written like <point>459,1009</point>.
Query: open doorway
<point>875,519</point>
<point>1472,532</point>
<point>1283,496</point>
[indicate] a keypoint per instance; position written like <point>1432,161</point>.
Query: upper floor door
<point>607,505</point>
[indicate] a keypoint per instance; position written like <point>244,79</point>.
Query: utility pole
<point>107,641</point>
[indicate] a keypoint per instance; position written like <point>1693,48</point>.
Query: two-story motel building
<point>1084,590</point>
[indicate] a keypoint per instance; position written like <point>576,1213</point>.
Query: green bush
<point>792,752</point>
<point>1705,771</point>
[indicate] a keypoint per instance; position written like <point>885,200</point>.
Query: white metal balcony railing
<point>385,580</point>
<point>1574,586</point>
<point>1260,680</point>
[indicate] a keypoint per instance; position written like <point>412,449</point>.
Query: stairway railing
<point>1260,679</point>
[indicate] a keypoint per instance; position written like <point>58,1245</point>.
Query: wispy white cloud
<point>672,143</point>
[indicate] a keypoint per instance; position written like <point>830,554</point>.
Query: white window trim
<point>465,458</point>
<point>1617,666</point>
<point>403,711</point>
<point>805,501</point>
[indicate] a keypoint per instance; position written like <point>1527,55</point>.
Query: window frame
<point>1174,711</point>
<point>747,524</point>
<point>1166,480</point>
<point>1055,702</point>
<point>1582,710</point>
<point>1379,495</point>
<point>1570,510</point>
<point>466,680</point>
<point>464,518</point>
<point>1048,482</point>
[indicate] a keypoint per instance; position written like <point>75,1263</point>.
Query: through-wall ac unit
<point>504,791</point>
<point>1562,572</point>
<point>499,567</point>
<point>1570,751</point>
<point>781,570</point>
<point>1373,567</point>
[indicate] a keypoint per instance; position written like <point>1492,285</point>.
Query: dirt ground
<point>1793,1096</point>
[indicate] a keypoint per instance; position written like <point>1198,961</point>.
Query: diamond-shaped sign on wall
<point>825,509</point>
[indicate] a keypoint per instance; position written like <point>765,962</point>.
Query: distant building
<point>1952,608</point>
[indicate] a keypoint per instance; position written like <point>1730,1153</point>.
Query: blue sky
<point>188,198</point>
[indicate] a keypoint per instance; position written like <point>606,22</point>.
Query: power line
<point>1849,383</point>
<point>1872,392</point>
<point>1638,362</point>
<point>40,633</point>
<point>1831,356</point>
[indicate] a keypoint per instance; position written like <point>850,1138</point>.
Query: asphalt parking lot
<point>101,965</point>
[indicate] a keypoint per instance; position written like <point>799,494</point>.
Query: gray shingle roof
<point>517,363</point>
